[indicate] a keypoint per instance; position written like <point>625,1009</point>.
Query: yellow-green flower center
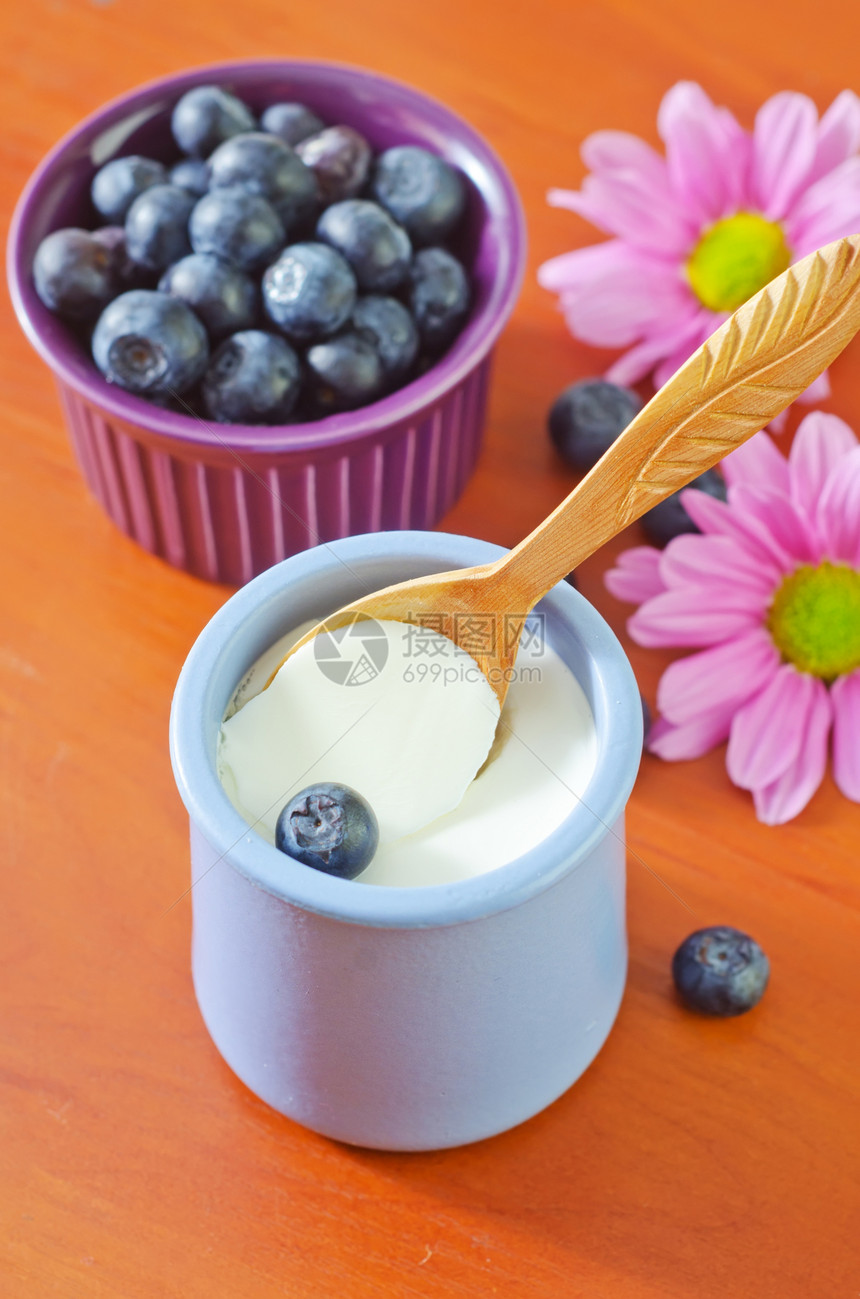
<point>815,619</point>
<point>735,258</point>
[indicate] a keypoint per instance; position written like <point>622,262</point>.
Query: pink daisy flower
<point>703,229</point>
<point>769,595</point>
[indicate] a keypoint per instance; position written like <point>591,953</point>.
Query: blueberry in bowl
<point>226,499</point>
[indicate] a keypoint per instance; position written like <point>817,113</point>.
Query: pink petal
<point>704,152</point>
<point>820,443</point>
<point>621,151</point>
<point>705,615</point>
<point>705,323</point>
<point>845,697</point>
<point>785,139</point>
<point>717,680</point>
<point>818,390</point>
<point>757,462</point>
<point>585,267</point>
<point>678,743</point>
<point>826,211</point>
<point>838,134</point>
<point>719,519</point>
<point>766,732</point>
<point>782,799</point>
<point>692,559</point>
<point>622,308</point>
<point>636,363</point>
<point>636,576</point>
<point>838,510</point>
<point>630,204</point>
<point>792,529</point>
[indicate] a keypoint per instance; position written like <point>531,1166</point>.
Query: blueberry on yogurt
<point>329,827</point>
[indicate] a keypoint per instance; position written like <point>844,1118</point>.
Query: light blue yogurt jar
<point>404,1018</point>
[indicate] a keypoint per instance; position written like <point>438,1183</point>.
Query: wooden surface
<point>694,1158</point>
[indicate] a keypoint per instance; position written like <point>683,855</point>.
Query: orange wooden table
<point>694,1158</point>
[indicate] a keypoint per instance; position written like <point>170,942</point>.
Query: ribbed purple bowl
<point>226,501</point>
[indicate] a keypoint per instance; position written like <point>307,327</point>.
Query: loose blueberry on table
<point>283,226</point>
<point>329,827</point>
<point>720,971</point>
<point>587,418</point>
<point>669,519</point>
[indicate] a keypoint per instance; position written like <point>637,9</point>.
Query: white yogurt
<point>538,768</point>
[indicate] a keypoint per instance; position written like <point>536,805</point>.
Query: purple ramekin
<point>226,501</point>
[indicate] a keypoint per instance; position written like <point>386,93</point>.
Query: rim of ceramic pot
<point>474,155</point>
<point>193,733</point>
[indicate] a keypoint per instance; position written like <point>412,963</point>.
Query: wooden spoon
<point>748,371</point>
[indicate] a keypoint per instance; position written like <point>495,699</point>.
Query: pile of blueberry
<point>586,419</point>
<point>278,271</point>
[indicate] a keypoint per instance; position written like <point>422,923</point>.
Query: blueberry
<point>669,519</point>
<point>253,378</point>
<point>329,827</point>
<point>387,324</point>
<point>376,247</point>
<point>571,580</point>
<point>292,122</point>
<point>343,373</point>
<point>587,418</point>
<point>205,117</point>
<point>646,720</point>
<point>438,295</point>
<point>262,164</point>
<point>117,184</point>
<point>150,343</point>
<point>236,226</point>
<point>340,159</point>
<point>720,971</point>
<point>225,298</point>
<point>156,226</point>
<point>309,292</point>
<point>191,174</point>
<point>74,273</point>
<point>421,191</point>
<point>127,274</point>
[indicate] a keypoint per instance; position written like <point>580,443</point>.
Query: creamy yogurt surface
<point>410,738</point>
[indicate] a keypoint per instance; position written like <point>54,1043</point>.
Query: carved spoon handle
<point>748,371</point>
